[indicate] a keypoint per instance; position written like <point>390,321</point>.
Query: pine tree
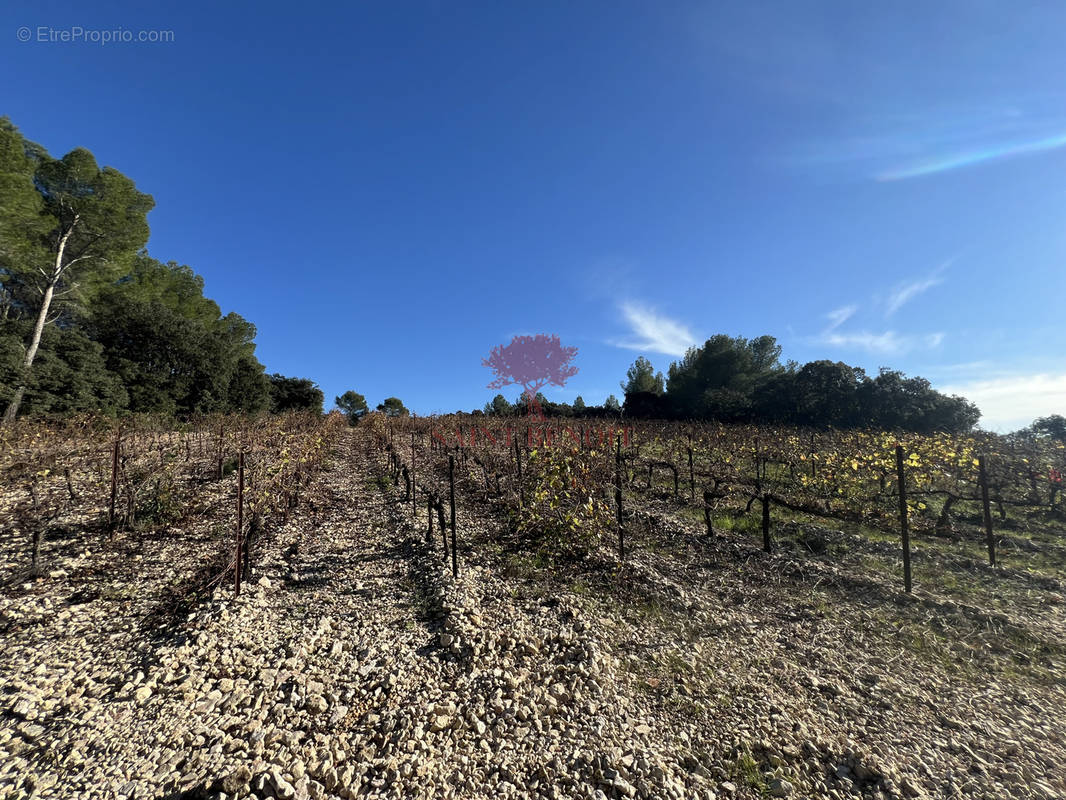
<point>96,222</point>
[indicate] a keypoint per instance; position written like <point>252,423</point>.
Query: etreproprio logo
<point>533,362</point>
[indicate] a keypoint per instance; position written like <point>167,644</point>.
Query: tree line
<point>353,405</point>
<point>500,406</point>
<point>734,379</point>
<point>90,322</point>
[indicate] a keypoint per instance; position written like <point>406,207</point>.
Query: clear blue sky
<point>389,189</point>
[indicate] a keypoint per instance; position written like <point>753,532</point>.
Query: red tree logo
<point>532,362</point>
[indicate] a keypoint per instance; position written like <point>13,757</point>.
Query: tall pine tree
<point>91,222</point>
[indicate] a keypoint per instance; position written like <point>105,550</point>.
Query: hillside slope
<point>355,666</point>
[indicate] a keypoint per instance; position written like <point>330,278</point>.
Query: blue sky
<point>389,189</point>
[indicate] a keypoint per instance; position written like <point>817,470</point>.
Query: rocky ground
<point>353,665</point>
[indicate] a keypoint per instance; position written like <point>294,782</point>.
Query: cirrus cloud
<point>654,333</point>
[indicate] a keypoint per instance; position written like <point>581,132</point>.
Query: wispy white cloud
<point>906,292</point>
<point>1010,402</point>
<point>884,343</point>
<point>974,154</point>
<point>654,333</point>
<point>888,343</point>
<point>909,291</point>
<point>887,146</point>
<point>839,316</point>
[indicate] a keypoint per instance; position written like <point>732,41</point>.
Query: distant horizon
<point>563,396</point>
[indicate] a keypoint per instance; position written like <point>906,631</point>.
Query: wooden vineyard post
<point>443,529</point>
<point>35,558</point>
<point>221,430</point>
<point>518,465</point>
<point>240,526</point>
<point>451,504</point>
<point>766,544</point>
<point>114,481</point>
<point>983,478</point>
<point>284,481</point>
<point>691,476</point>
<point>429,513</point>
<point>38,531</point>
<point>903,518</point>
<point>618,499</point>
<point>414,485</point>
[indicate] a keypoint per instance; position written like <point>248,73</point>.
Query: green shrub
<point>160,502</point>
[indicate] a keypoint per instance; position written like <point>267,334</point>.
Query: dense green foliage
<point>642,377</point>
<point>740,380</point>
<point>88,320</point>
<point>721,378</point>
<point>353,405</point>
<point>1053,427</point>
<point>294,394</point>
<point>499,407</point>
<point>393,407</point>
<point>70,374</point>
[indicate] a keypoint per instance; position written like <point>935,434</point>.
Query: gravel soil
<point>354,665</point>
